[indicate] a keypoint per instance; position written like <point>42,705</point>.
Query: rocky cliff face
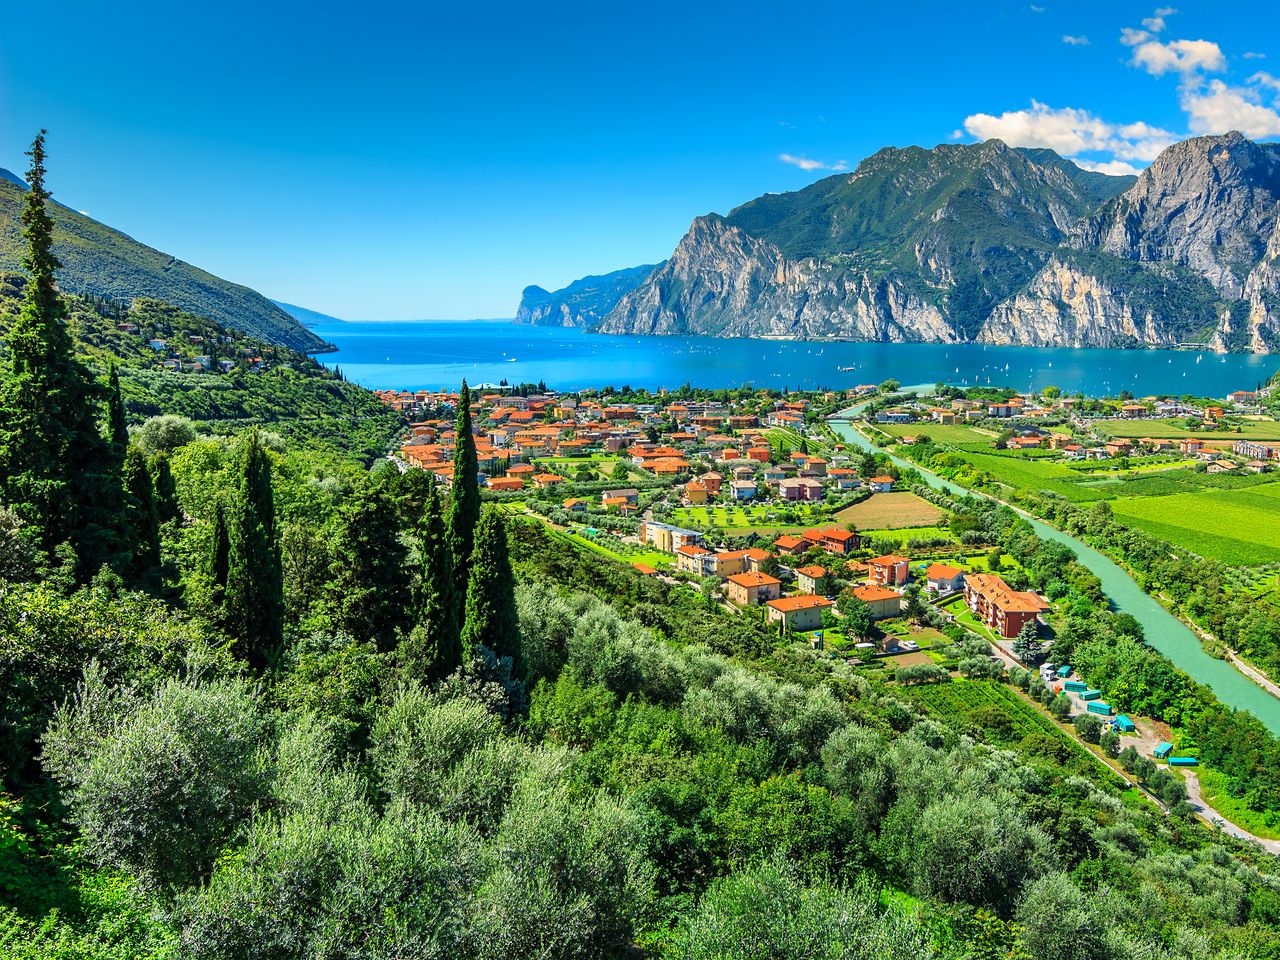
<point>582,303</point>
<point>990,244</point>
<point>724,282</point>
<point>1065,306</point>
<point>1189,254</point>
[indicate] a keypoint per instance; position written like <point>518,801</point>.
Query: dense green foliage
<point>288,392</point>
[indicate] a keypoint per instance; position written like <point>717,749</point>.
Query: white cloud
<point>1185,57</point>
<point>1070,131</point>
<point>1131,37</point>
<point>1264,79</point>
<point>1254,55</point>
<point>805,163</point>
<point>1117,168</point>
<point>956,134</point>
<point>1035,9</point>
<point>1075,41</point>
<point>1218,108</point>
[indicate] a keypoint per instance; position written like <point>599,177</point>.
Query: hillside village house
<point>882,601</point>
<point>1004,610</point>
<point>743,489</point>
<point>1190,445</point>
<point>505,484</point>
<point>690,559</point>
<point>890,570</point>
<point>668,538</point>
<point>797,613</point>
<point>695,493</point>
<point>943,579</point>
<point>789,545</point>
<point>752,589</point>
<point>628,494</point>
<point>1257,451</point>
<point>800,488</point>
<point>832,540</point>
<point>807,578</point>
<point>880,484</point>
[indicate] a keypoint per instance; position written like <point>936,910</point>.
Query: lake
<point>418,355</point>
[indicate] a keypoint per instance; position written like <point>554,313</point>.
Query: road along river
<point>1164,631</point>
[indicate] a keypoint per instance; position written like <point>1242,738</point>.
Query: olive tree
<point>157,783</point>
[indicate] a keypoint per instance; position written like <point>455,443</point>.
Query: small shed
<point>1183,762</point>
<point>1075,686</point>
<point>1124,724</point>
<point>1064,671</point>
<point>1100,708</point>
<point>1162,750</point>
<point>1091,695</point>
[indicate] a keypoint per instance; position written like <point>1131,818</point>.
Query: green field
<point>938,432</point>
<point>1234,526</point>
<point>1001,717</point>
<point>746,518</point>
<point>1024,474</point>
<point>902,534</point>
<point>1175,429</point>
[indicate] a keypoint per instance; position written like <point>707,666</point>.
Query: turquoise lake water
<point>1163,630</point>
<point>417,355</point>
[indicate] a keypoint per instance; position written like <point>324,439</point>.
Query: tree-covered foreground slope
<point>99,261</point>
<point>257,700</point>
<point>171,363</point>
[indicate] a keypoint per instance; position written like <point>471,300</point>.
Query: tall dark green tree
<point>142,522</point>
<point>254,604</point>
<point>369,592</point>
<point>491,617</point>
<point>433,649</point>
<point>218,560</point>
<point>166,487</point>
<point>464,508</point>
<point>117,424</point>
<point>56,469</point>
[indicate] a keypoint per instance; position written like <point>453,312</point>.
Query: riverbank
<point>1164,632</point>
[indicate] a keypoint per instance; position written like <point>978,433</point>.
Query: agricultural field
<point>1175,429</point>
<point>1000,716</point>
<point>938,432</point>
<point>1027,474</point>
<point>1240,526</point>
<point>747,518</point>
<point>902,534</point>
<point>890,511</point>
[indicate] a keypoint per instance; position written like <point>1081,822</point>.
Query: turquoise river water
<point>1164,631</point>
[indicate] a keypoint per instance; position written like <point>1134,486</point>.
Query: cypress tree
<point>254,605</point>
<point>464,509</point>
<point>117,425</point>
<point>218,562</point>
<point>142,521</point>
<point>369,592</point>
<point>491,618</point>
<point>165,486</point>
<point>56,471</point>
<point>433,650</point>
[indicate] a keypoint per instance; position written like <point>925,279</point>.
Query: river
<point>1163,630</point>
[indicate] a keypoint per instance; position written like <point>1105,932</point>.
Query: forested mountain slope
<point>102,262</point>
<point>171,362</point>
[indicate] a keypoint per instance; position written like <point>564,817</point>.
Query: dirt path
<point>1254,674</point>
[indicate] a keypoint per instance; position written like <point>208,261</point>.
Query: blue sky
<point>396,161</point>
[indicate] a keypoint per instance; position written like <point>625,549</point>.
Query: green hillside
<point>281,389</point>
<point>102,262</point>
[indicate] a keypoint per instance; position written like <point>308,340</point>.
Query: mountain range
<point>975,243</point>
<point>102,262</point>
<point>582,303</point>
